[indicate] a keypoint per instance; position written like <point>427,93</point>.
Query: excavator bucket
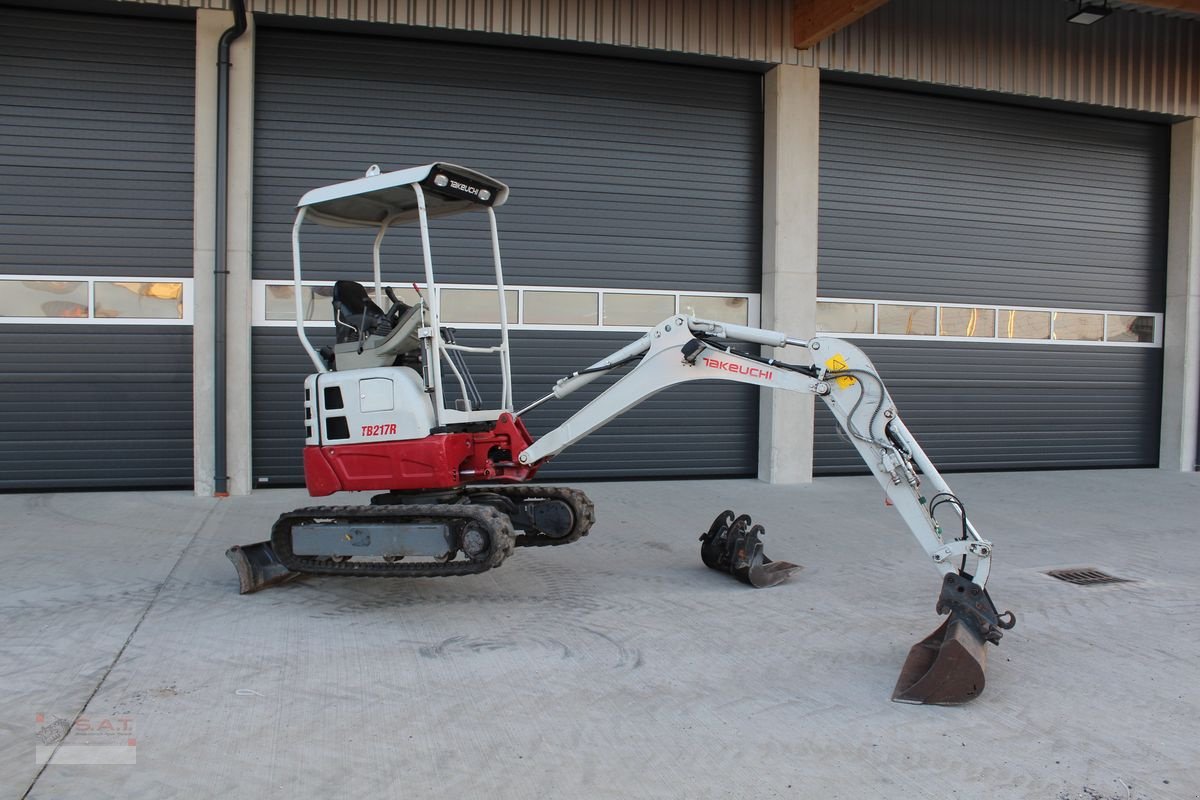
<point>734,545</point>
<point>258,567</point>
<point>947,667</point>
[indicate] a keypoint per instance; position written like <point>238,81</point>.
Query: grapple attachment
<point>734,545</point>
<point>947,667</point>
<point>258,567</point>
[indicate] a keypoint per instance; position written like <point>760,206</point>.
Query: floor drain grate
<point>1085,576</point>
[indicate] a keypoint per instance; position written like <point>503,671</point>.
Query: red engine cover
<point>439,461</point>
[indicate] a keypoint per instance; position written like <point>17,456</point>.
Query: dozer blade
<point>258,567</point>
<point>946,668</point>
<point>734,546</point>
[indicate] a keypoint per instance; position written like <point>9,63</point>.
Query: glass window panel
<point>1024,324</point>
<point>477,305</point>
<point>318,302</point>
<point>562,308</point>
<point>1073,327</point>
<point>279,303</point>
<point>1130,328</point>
<point>43,298</point>
<point>968,322</point>
<point>138,300</point>
<point>637,309</point>
<point>907,320</point>
<point>718,309</point>
<point>845,318</point>
<point>409,295</point>
<point>318,305</point>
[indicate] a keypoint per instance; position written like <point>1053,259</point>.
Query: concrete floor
<point>617,667</point>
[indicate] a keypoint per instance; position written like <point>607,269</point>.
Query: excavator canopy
<point>389,196</point>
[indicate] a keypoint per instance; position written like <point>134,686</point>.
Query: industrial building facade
<point>1002,208</point>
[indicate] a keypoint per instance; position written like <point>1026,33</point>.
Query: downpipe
<point>221,238</point>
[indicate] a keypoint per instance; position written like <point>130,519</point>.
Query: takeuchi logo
<point>740,369</point>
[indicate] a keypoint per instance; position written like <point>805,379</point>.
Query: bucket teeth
<point>734,545</point>
<point>258,567</point>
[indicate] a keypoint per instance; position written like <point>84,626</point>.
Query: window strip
<point>186,301</point>
<point>746,304</point>
<point>1146,326</point>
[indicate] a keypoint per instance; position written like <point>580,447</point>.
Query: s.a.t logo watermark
<point>88,739</point>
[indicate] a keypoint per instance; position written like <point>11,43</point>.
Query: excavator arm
<point>947,667</point>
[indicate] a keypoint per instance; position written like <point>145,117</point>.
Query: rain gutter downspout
<point>220,268</point>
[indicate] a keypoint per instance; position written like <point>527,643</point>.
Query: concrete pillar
<point>791,116</point>
<point>209,27</point>
<point>1181,334</point>
<point>239,316</point>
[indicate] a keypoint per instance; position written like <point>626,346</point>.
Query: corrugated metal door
<point>624,175</point>
<point>95,183</point>
<point>941,200</point>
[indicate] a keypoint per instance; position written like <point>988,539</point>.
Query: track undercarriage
<point>415,535</point>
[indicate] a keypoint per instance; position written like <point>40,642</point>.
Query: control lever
<point>398,306</point>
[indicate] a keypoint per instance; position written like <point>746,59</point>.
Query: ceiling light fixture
<point>1086,14</point>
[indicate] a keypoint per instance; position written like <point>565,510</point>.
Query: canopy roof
<point>369,201</point>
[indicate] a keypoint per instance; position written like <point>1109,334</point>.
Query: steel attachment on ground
<point>733,544</point>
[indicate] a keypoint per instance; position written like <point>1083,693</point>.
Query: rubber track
<point>496,523</point>
<point>581,507</point>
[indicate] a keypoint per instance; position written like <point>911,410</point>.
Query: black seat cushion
<point>355,314</point>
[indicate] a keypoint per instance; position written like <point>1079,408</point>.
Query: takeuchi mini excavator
<point>392,408</point>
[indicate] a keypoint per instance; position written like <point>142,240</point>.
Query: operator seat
<point>367,337</point>
<point>355,314</point>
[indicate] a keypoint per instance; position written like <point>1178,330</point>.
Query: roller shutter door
<point>941,200</point>
<point>95,183</point>
<point>624,175</point>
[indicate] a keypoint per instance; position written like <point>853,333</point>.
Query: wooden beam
<point>814,20</point>
<point>1190,6</point>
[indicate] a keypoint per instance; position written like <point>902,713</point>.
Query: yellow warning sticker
<point>838,364</point>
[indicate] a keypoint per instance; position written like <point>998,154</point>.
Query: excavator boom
<point>945,668</point>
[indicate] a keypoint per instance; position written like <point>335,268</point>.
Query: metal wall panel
<point>751,30</point>
<point>95,144</point>
<point>1135,59</point>
<point>1009,406</point>
<point>91,407</point>
<point>95,179</point>
<point>939,199</point>
<point>935,198</point>
<point>697,430</point>
<point>624,175</point>
<point>1131,60</point>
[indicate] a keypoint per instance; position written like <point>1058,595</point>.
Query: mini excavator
<point>392,408</point>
